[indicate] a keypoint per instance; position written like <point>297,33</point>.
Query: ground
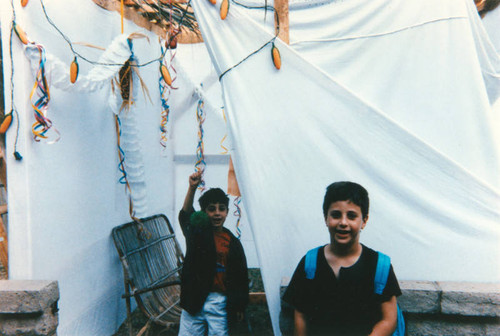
<point>257,314</point>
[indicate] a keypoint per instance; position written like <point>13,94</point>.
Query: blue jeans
<point>213,315</point>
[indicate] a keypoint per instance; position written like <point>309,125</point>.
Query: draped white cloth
<point>100,78</point>
<point>391,94</point>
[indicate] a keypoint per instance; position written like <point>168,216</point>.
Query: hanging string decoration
<point>200,164</point>
<point>39,98</point>
<point>237,213</point>
<point>13,109</point>
<point>165,86</point>
<point>275,54</point>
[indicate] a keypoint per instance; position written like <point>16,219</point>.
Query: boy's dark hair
<point>346,191</point>
<point>212,196</point>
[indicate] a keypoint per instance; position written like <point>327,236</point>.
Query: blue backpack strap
<point>310,263</point>
<point>400,327</point>
<point>382,272</point>
<point>381,275</point>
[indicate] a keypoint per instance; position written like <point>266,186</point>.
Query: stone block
<point>27,296</point>
<point>419,297</point>
<point>470,299</point>
<point>442,327</point>
<point>28,308</point>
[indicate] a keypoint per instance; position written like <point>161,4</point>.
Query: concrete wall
<point>438,308</point>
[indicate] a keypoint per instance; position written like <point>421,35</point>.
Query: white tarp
<point>390,94</point>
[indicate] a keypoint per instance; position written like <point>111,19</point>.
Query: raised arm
<point>387,325</point>
<point>194,181</point>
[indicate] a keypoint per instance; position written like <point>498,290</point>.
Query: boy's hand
<point>194,180</point>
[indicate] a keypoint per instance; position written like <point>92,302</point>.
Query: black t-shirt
<point>346,305</point>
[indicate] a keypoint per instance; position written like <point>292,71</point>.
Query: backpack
<point>381,275</point>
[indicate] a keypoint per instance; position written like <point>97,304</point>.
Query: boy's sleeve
<point>185,220</point>
<point>296,292</point>
<point>392,287</point>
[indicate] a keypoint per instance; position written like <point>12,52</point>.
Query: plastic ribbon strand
<point>41,93</point>
<point>200,163</point>
<point>224,148</point>
<point>237,213</point>
<point>165,91</point>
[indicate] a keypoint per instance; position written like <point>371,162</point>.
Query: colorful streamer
<point>237,213</point>
<point>200,164</point>
<point>40,105</point>
<point>224,148</point>
<point>165,91</point>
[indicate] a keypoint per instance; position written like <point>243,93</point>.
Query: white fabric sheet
<point>395,100</point>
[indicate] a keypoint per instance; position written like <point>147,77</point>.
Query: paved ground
<point>257,314</point>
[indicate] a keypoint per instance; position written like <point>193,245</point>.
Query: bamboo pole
<point>281,7</point>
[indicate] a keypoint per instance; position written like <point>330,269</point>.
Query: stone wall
<point>28,307</point>
<point>438,308</point>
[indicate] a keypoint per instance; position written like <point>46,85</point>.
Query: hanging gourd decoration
<point>172,42</point>
<point>7,120</point>
<point>275,54</point>
<point>24,3</point>
<point>73,71</point>
<point>20,33</point>
<point>224,9</point>
<point>165,74</point>
<point>213,2</point>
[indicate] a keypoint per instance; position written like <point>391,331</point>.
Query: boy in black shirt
<point>214,278</point>
<point>340,298</point>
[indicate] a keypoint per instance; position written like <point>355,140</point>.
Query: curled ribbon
<point>41,93</point>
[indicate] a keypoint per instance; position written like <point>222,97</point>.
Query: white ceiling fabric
<point>390,94</point>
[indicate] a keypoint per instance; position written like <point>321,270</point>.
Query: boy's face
<point>344,221</point>
<point>217,213</point>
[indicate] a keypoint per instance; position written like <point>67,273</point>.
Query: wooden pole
<point>281,7</point>
<point>4,252</point>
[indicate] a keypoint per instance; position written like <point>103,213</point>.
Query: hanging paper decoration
<point>40,105</point>
<point>200,163</point>
<point>275,54</point>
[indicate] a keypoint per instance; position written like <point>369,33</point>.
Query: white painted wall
<point>64,198</point>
